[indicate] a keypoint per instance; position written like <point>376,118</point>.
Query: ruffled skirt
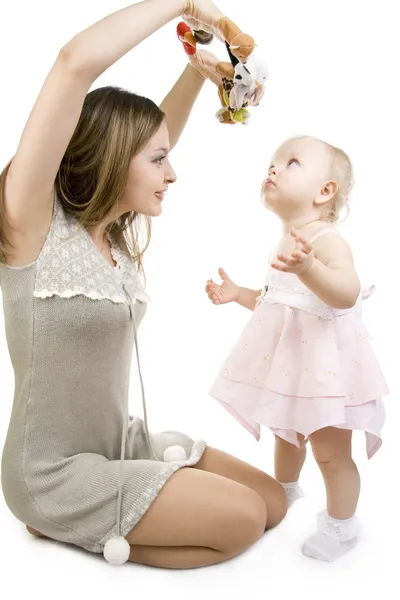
<point>295,372</point>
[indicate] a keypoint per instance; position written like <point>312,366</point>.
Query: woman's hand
<point>202,15</point>
<point>205,63</point>
<point>228,291</point>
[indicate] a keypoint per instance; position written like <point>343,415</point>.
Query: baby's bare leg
<point>289,461</point>
<point>332,451</point>
<point>337,526</point>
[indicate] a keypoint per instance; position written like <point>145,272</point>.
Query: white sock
<point>333,538</point>
<point>293,492</point>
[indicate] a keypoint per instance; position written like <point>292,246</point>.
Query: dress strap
<point>323,232</point>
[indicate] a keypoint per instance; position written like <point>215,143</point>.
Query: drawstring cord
<point>126,416</point>
<point>117,549</point>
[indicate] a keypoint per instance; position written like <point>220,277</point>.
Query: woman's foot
<point>34,532</point>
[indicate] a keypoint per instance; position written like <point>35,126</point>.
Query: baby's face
<point>298,172</point>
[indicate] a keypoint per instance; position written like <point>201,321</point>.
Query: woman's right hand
<point>202,15</point>
<point>223,293</point>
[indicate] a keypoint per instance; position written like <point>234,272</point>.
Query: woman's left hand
<point>206,63</point>
<point>301,258</point>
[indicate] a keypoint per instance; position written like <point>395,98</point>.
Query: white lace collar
<point>70,264</point>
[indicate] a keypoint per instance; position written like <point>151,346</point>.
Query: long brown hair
<point>113,127</point>
<point>4,242</point>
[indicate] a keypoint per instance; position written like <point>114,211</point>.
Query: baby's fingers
<point>210,285</point>
<point>216,298</point>
<point>215,293</point>
<point>307,247</point>
<point>299,256</point>
<point>280,267</point>
<point>287,260</point>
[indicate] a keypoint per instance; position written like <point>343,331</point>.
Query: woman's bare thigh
<point>198,508</point>
<point>221,463</point>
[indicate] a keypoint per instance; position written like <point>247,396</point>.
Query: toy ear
<point>233,58</point>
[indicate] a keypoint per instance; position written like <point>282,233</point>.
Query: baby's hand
<point>224,293</point>
<point>301,258</point>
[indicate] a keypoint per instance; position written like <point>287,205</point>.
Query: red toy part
<point>187,38</point>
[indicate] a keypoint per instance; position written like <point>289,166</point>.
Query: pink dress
<point>300,365</point>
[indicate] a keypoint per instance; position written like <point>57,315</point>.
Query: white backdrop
<point>332,75</point>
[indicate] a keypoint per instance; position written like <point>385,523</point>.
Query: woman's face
<point>150,173</point>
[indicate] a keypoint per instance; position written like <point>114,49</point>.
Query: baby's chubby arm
<point>229,291</point>
<point>248,298</point>
<point>331,275</point>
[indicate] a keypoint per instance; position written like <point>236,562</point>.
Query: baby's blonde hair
<point>341,171</point>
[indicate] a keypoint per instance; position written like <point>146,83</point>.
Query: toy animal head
<point>252,72</point>
<point>242,46</point>
<point>185,35</point>
<point>249,82</point>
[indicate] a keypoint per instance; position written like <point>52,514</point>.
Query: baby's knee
<point>326,454</point>
<point>331,446</point>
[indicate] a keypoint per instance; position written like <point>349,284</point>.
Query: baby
<point>303,365</point>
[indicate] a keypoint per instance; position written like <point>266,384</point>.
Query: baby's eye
<point>293,161</point>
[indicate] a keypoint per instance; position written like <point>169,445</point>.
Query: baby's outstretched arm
<point>326,268</point>
<point>332,276</point>
<point>228,291</point>
<point>248,298</point>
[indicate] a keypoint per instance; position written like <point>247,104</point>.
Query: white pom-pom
<point>174,454</point>
<point>116,551</point>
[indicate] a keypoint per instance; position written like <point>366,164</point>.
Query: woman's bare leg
<point>34,532</point>
<point>216,461</point>
<point>199,519</point>
<point>208,514</point>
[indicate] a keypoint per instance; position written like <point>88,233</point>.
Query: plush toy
<point>248,81</point>
<point>241,44</point>
<point>187,37</point>
<point>240,82</point>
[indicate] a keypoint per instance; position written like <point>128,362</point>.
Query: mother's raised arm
<point>178,104</point>
<point>29,183</point>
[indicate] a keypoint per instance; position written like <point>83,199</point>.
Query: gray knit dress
<point>71,321</point>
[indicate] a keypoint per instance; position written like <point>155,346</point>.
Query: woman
<point>88,167</point>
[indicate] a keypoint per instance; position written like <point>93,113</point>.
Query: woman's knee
<point>245,522</point>
<point>203,509</point>
<point>276,503</point>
